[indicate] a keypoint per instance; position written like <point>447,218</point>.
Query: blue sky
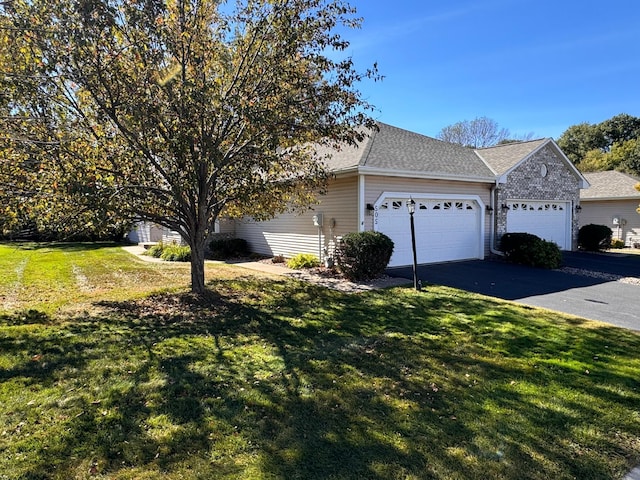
<point>535,66</point>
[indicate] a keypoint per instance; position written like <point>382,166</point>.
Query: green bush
<point>617,243</point>
<point>176,253</point>
<point>155,250</point>
<point>528,249</point>
<point>364,255</point>
<point>594,237</point>
<point>303,260</point>
<point>223,248</point>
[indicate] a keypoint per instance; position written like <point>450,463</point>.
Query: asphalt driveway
<point>594,286</point>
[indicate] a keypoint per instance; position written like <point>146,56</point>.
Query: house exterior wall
<point>292,233</point>
<point>526,182</point>
<point>145,232</point>
<point>376,185</point>
<point>602,212</point>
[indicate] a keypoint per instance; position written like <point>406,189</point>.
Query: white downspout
<point>361,206</point>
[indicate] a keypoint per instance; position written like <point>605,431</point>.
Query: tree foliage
<point>478,133</point>
<point>176,111</point>
<point>610,145</point>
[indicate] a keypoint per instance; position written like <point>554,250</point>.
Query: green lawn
<point>109,369</point>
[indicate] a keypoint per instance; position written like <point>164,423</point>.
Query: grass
<point>109,369</point>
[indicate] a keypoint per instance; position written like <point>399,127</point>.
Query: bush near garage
<point>617,243</point>
<point>594,238</point>
<point>364,255</point>
<point>224,248</point>
<point>531,250</point>
<point>303,260</point>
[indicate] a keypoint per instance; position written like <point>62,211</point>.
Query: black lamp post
<point>411,206</point>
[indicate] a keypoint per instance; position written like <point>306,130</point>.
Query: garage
<point>447,228</point>
<point>548,220</point>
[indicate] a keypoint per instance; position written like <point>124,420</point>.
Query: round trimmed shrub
<point>531,250</point>
<point>594,237</point>
<point>303,260</point>
<point>364,255</point>
<point>224,248</point>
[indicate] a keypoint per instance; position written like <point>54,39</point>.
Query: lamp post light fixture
<point>411,206</point>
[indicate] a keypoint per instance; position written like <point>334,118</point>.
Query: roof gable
<point>504,158</point>
<point>610,185</point>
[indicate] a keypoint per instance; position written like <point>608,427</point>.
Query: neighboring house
<point>612,200</point>
<point>145,232</point>
<point>465,199</point>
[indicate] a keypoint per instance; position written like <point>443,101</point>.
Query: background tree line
<point>613,144</point>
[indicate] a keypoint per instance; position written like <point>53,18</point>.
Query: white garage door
<point>446,229</point>
<point>548,220</point>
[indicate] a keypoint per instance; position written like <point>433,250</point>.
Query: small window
<point>447,205</point>
<point>544,170</point>
<point>423,206</point>
<point>397,204</point>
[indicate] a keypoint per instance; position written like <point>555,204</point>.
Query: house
<point>612,200</point>
<point>465,199</point>
<point>145,233</point>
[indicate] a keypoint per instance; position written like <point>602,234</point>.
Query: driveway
<point>604,287</point>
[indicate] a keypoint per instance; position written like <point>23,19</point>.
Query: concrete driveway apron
<point>603,287</point>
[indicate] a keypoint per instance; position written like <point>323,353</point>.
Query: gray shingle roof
<point>610,185</point>
<point>396,149</point>
<point>503,157</point>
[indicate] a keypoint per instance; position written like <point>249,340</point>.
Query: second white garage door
<point>446,229</point>
<point>547,220</point>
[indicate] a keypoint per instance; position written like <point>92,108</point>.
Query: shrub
<point>617,243</point>
<point>594,237</point>
<point>176,253</point>
<point>364,255</point>
<point>223,248</point>
<point>528,249</point>
<point>303,260</point>
<point>155,250</point>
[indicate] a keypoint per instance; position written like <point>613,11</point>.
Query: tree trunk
<point>197,268</point>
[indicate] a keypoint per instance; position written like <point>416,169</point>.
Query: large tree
<point>478,133</point>
<point>185,109</point>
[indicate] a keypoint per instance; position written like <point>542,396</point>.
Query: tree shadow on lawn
<point>282,379</point>
<point>63,246</point>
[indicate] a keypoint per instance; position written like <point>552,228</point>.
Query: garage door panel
<point>446,230</point>
<point>547,220</point>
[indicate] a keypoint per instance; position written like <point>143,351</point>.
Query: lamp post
<point>411,206</point>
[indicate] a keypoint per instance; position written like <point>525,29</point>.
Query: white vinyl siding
<point>145,232</point>
<point>602,212</point>
<point>292,233</point>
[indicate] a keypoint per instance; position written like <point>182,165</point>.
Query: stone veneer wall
<point>527,183</point>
